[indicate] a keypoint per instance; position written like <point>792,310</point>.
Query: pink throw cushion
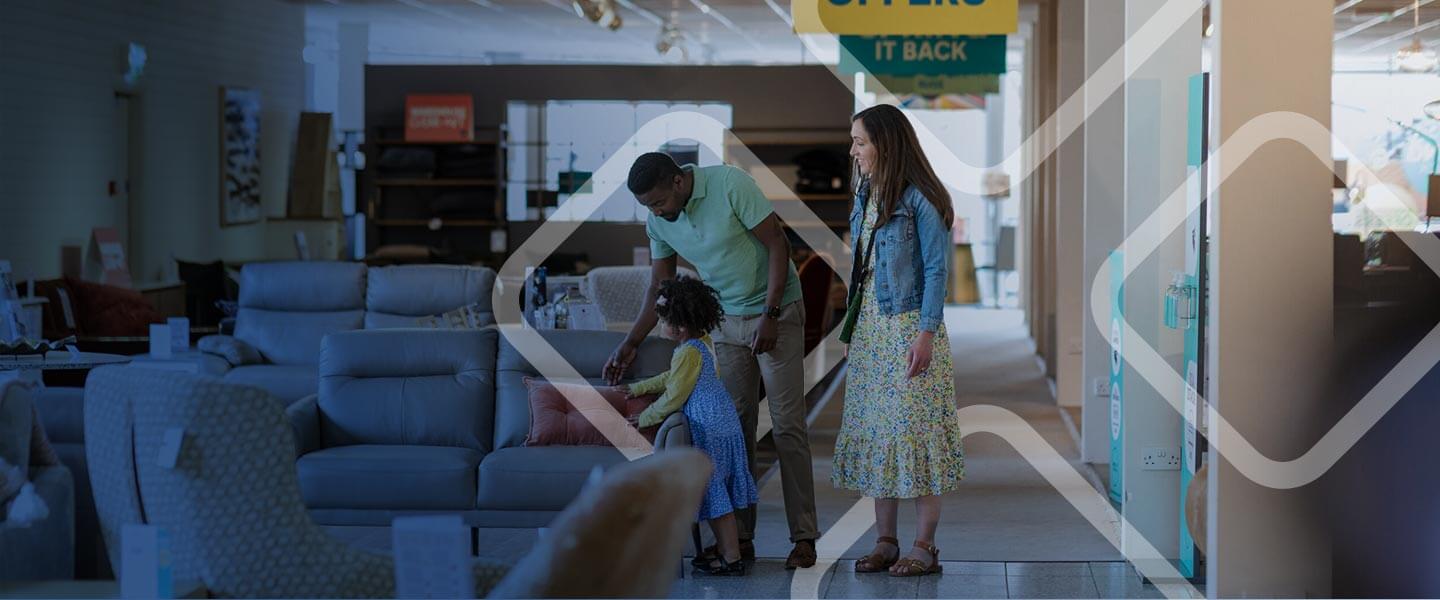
<point>555,421</point>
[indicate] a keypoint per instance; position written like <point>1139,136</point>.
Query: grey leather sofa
<point>434,421</point>
<point>287,308</point>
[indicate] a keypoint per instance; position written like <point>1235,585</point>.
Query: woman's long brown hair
<point>899,162</point>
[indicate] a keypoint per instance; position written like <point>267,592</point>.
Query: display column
<point>1104,156</point>
<point>1070,205</point>
<point>1164,54</point>
<point>1272,289</point>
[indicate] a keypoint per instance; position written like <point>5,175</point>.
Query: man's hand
<point>920,354</point>
<point>765,336</point>
<point>619,362</point>
<point>624,389</point>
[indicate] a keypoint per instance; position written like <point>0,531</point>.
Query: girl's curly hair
<point>689,303</point>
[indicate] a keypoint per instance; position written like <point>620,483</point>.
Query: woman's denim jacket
<point>911,261</point>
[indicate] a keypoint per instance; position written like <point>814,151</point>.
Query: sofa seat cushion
<point>539,477</point>
<point>287,383</point>
<point>389,477</point>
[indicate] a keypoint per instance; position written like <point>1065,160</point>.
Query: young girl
<point>689,309</point>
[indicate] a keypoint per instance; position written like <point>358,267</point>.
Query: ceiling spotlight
<point>672,39</point>
<point>1416,58</point>
<point>600,12</point>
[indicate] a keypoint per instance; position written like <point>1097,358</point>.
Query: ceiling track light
<point>1415,57</point>
<point>671,38</point>
<point>601,12</point>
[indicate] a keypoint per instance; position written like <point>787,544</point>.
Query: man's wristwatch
<point>773,313</point>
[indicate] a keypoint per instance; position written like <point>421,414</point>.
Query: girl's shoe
<point>722,568</point>
<point>747,553</point>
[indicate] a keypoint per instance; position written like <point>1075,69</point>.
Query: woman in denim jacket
<point>899,437</point>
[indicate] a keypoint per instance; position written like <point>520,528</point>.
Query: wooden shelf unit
<point>443,223</point>
<point>814,198</point>
<point>772,143</point>
<point>411,226</point>
<point>483,136</point>
<point>793,137</point>
<point>437,182</point>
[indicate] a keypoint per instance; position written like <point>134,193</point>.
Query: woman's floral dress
<point>899,437</point>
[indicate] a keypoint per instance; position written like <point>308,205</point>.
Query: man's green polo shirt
<point>713,233</point>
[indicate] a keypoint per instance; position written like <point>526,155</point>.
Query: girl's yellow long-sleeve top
<point>674,386</point>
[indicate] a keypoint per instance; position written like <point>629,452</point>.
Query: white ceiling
<point>510,31</point>
<point>1367,32</point>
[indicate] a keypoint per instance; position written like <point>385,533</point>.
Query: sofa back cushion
<point>286,308</point>
<point>398,296</point>
<point>291,338</point>
<point>408,386</point>
<point>566,356</point>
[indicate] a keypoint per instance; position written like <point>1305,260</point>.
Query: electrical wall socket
<point>1101,387</point>
<point>1160,458</point>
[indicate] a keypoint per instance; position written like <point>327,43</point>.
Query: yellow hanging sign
<point>906,17</point>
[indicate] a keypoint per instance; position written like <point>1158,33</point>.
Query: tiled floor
<point>768,579</point>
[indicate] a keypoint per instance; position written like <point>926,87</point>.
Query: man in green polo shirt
<point>719,221</point>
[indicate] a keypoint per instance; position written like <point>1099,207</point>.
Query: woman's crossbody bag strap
<point>857,282</point>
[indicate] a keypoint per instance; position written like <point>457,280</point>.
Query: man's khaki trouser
<point>783,370</point>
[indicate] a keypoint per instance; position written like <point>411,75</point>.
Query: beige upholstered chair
<point>45,547</point>
<point>231,504</point>
<point>620,290</point>
<point>620,538</point>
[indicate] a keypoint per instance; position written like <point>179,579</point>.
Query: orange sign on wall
<point>439,118</point>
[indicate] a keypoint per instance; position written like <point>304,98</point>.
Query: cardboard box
<point>315,174</point>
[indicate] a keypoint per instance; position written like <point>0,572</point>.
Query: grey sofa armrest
<point>674,432</point>
<point>44,549</point>
<point>234,350</point>
<point>304,417</point>
<point>62,414</point>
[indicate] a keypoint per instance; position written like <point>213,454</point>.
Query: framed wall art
<point>240,197</point>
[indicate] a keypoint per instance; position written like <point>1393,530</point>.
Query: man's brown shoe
<point>803,556</point>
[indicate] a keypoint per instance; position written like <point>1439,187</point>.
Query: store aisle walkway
<point>1004,511</point>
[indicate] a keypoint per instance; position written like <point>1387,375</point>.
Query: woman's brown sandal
<point>909,567</point>
<point>875,562</point>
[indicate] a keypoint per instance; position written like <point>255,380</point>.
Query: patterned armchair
<point>232,507</point>
<point>619,290</point>
<point>231,504</point>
